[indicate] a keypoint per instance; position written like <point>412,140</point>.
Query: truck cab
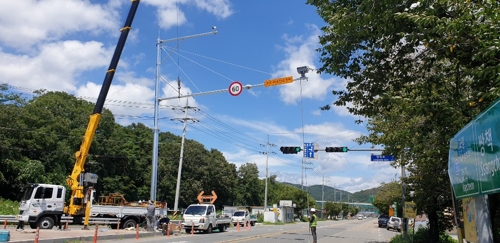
<point>203,217</point>
<point>42,205</point>
<point>242,217</point>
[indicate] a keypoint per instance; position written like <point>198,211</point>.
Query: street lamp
<point>156,129</point>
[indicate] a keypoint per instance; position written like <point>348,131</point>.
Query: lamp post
<point>156,129</point>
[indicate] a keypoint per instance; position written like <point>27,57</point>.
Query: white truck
<point>203,217</point>
<point>43,204</point>
<point>243,217</point>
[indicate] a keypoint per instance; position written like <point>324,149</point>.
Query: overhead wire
<point>187,76</point>
<point>203,66</point>
<point>225,62</point>
<point>239,132</point>
<point>228,135</point>
<point>205,114</point>
<point>212,133</point>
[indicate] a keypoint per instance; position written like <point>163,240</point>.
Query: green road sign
<point>474,155</point>
<point>372,198</point>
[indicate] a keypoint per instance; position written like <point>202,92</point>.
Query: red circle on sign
<point>235,88</point>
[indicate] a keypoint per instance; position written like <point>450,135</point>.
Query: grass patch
<point>269,223</point>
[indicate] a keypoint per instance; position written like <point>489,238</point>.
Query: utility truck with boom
<point>203,216</point>
<point>44,204</point>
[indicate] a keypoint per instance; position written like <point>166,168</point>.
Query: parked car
<point>394,223</point>
<point>382,220</point>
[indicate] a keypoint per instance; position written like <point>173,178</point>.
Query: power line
<point>229,63</point>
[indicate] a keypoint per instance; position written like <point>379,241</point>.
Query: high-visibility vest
<point>314,222</point>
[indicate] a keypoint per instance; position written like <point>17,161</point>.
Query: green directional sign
<point>474,155</point>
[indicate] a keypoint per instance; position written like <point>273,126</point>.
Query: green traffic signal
<point>290,150</point>
<point>336,149</point>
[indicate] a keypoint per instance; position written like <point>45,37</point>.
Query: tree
<point>388,194</point>
<point>426,66</point>
<point>248,190</point>
<point>332,209</point>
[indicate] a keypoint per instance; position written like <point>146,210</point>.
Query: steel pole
<point>267,171</point>
<point>156,130</point>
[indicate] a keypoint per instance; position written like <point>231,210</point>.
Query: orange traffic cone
<point>192,228</point>
<point>95,234</point>
<point>37,234</point>
<point>238,226</point>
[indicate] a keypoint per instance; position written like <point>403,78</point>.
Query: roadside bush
<point>421,236</point>
<point>260,218</point>
<point>8,207</point>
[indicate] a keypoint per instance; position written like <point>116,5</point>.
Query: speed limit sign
<point>235,88</point>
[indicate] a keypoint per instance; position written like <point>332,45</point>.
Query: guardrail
<point>64,219</point>
<point>9,218</point>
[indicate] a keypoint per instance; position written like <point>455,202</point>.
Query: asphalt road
<point>346,231</point>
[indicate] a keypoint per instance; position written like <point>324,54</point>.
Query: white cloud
<point>169,13</point>
<point>55,67</point>
<point>30,22</point>
<point>137,96</point>
<point>301,52</point>
<point>219,8</point>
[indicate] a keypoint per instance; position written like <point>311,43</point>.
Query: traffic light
<point>336,149</point>
<point>290,150</point>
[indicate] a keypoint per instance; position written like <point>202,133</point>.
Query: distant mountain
<point>332,194</point>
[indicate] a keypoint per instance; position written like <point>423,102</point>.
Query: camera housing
<point>302,71</point>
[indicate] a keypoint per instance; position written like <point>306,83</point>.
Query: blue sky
<point>67,46</point>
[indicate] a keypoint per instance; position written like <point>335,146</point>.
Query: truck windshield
<point>197,209</point>
<point>28,191</point>
<point>239,214</point>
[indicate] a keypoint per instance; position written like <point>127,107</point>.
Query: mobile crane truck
<point>43,204</point>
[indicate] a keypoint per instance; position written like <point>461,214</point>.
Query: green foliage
<point>333,194</point>
<point>332,209</point>
<point>260,218</point>
<point>421,236</point>
<point>280,191</point>
<point>418,73</point>
<point>8,207</point>
<point>388,194</point>
<point>40,137</point>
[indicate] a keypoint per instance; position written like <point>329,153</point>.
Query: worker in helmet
<point>313,222</point>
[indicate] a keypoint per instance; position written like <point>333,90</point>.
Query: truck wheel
<point>129,223</point>
<point>252,223</point>
<point>222,228</point>
<point>33,225</point>
<point>209,229</point>
<point>188,231</point>
<point>45,223</point>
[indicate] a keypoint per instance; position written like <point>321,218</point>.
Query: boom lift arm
<point>76,181</point>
